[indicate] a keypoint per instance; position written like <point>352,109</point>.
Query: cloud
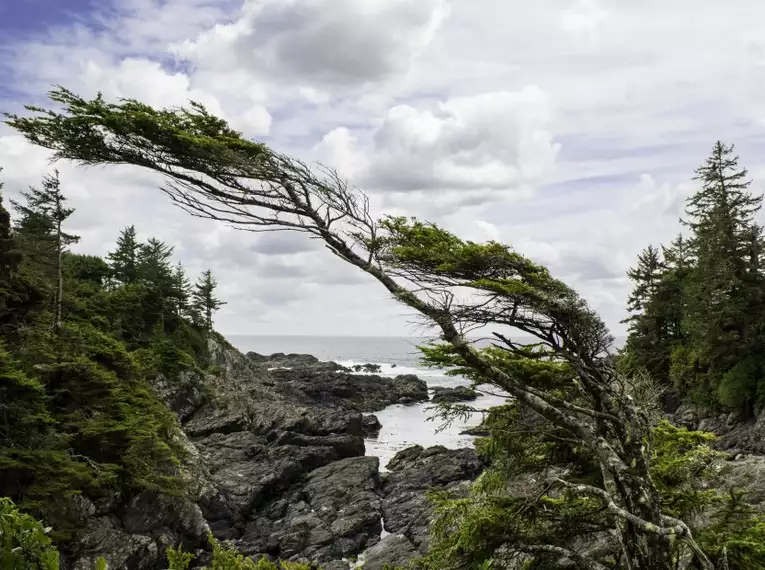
<point>327,43</point>
<point>489,142</point>
<point>570,131</point>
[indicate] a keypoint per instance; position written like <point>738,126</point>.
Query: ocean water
<point>402,426</point>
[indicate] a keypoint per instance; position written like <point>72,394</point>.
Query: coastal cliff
<point>276,464</point>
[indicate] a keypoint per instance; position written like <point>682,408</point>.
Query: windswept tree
<point>205,300</point>
<point>41,232</point>
<point>569,380</point>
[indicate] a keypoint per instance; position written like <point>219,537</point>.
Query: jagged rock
<point>735,434</point>
<point>183,395</point>
<point>450,395</point>
<point>275,461</point>
<point>361,392</point>
<point>280,360</point>
<point>171,520</point>
<point>395,550</point>
<point>122,551</point>
<point>371,425</point>
<point>335,513</point>
<point>249,470</point>
<point>368,367</point>
<point>412,471</point>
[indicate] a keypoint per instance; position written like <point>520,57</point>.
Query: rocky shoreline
<point>277,465</point>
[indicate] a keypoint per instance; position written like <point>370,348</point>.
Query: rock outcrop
<point>276,463</point>
<point>442,395</point>
<point>406,510</point>
<point>735,434</point>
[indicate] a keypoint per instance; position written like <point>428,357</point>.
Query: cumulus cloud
<point>492,141</point>
<point>570,131</point>
<point>339,42</point>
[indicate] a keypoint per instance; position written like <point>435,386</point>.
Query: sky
<point>567,129</point>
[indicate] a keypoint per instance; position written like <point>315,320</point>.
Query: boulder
<point>335,513</point>
<point>371,425</point>
<point>443,395</point>
<point>394,551</point>
<point>122,550</point>
<point>414,470</point>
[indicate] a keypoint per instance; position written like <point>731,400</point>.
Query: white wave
<point>389,369</point>
<point>280,368</point>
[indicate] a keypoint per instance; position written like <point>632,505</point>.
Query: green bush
<point>24,542</point>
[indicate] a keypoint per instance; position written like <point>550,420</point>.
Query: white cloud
<point>490,142</point>
<point>570,130</point>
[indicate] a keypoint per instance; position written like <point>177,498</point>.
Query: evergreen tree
<point>645,276</point>
<point>719,287</point>
<point>154,263</point>
<point>205,301</point>
<point>156,274</point>
<point>9,254</point>
<point>124,259</point>
<point>181,291</point>
<point>647,340</point>
<point>44,240</point>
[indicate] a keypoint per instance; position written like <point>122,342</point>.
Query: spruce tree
<point>9,254</point>
<point>205,301</point>
<point>719,288</point>
<point>181,291</point>
<point>43,238</point>
<point>9,258</point>
<point>156,274</point>
<point>124,259</point>
<point>648,335</point>
<point>645,275</point>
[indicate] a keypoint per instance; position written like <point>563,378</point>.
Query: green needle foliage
<point>82,340</point>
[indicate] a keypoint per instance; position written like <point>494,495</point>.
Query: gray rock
<point>174,518</point>
<point>336,565</point>
<point>360,392</point>
<point>394,550</point>
<point>414,470</point>
<point>183,395</point>
<point>371,425</point>
<point>442,395</point>
<point>122,550</point>
<point>334,514</point>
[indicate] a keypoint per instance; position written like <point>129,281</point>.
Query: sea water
<point>402,425</point>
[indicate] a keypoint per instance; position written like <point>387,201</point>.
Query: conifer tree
<point>9,255</point>
<point>43,238</point>
<point>156,273</point>
<point>645,275</point>
<point>181,291</point>
<point>205,301</point>
<point>124,259</point>
<point>718,288</point>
